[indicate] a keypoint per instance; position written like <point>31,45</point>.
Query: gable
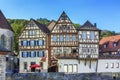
<point>64,25</point>
<point>31,30</point>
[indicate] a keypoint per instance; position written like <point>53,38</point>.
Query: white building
<point>6,46</point>
<point>33,47</point>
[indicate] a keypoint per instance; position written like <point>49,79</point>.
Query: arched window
<point>61,38</point>
<point>3,42</point>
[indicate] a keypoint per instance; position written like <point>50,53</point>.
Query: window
<point>24,54</point>
<point>33,54</point>
<point>92,35</point>
<point>54,38</point>
<point>29,54</point>
<point>31,24</point>
<point>117,65</point>
<point>3,42</point>
<point>106,65</point>
<point>65,68</point>
<point>25,65</point>
<point>112,65</point>
<point>41,42</point>
<point>41,64</point>
<point>61,38</point>
<point>67,38</point>
<point>75,68</point>
<point>64,18</point>
<point>32,43</point>
<point>40,53</point>
<point>31,33</point>
<point>84,35</point>
<point>32,63</point>
<point>70,68</point>
<point>105,46</point>
<point>114,44</point>
<point>28,43</point>
<point>24,43</point>
<point>74,38</point>
<point>21,43</point>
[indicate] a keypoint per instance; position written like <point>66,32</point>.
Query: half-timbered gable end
<point>88,40</point>
<point>33,36</point>
<point>33,46</point>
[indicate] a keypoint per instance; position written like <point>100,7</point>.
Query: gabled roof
<point>4,23</point>
<point>51,25</point>
<point>42,27</point>
<point>110,42</point>
<point>88,26</point>
<point>63,22</point>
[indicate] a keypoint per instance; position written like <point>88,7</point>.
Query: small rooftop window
<point>105,46</point>
<point>114,44</point>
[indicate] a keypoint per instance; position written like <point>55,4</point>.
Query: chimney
<point>95,24</point>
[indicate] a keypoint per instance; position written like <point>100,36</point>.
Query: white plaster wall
<point>82,68</point>
<point>29,60</point>
<point>8,34</point>
<point>2,67</point>
<point>102,63</point>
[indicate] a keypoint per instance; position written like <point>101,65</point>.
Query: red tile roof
<point>109,41</point>
<point>4,23</point>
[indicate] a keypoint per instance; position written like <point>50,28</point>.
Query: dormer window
<point>105,46</point>
<point>114,44</point>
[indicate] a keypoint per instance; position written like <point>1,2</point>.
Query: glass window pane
<point>61,38</point>
<point>74,38</point>
<point>67,38</point>
<point>54,38</point>
<point>32,43</point>
<point>84,35</point>
<point>92,35</point>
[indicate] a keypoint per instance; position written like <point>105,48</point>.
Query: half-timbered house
<point>88,35</point>
<point>33,47</point>
<point>109,58</point>
<point>63,41</point>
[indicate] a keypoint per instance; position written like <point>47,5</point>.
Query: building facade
<point>109,59</point>
<point>33,47</point>
<point>68,49</point>
<point>6,46</point>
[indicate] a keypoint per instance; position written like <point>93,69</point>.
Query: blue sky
<point>106,13</point>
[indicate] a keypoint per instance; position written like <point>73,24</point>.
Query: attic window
<point>114,44</point>
<point>31,24</point>
<point>105,46</point>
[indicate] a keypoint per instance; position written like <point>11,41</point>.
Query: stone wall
<point>61,76</point>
